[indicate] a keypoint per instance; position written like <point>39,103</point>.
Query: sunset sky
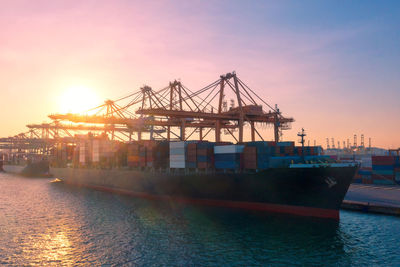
<point>332,65</point>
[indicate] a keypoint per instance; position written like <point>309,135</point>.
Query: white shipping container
<point>177,158</point>
<point>176,164</point>
<point>177,151</point>
<point>229,149</point>
<point>180,144</point>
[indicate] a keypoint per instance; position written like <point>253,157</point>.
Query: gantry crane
<point>175,106</point>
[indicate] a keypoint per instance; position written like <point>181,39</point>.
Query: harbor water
<point>44,224</point>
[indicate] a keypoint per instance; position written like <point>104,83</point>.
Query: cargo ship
<point>246,176</point>
<point>269,176</point>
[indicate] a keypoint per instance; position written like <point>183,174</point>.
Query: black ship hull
<point>316,192</point>
<point>38,169</point>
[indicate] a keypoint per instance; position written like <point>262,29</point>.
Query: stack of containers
<point>366,174</point>
<point>150,146</point>
<point>264,151</point>
<point>250,158</point>
<point>228,156</point>
<point>205,155</point>
<point>96,151</point>
<point>357,178</point>
<point>191,155</point>
<point>133,154</point>
<point>177,155</point>
<point>334,157</point>
<point>397,169</point>
<point>383,169</point>
<point>121,154</point>
<point>318,150</point>
<point>142,156</point>
<point>308,150</point>
<point>83,153</point>
<point>70,152</point>
<point>107,151</point>
<point>366,162</point>
<point>161,155</point>
<point>284,149</point>
<point>75,156</point>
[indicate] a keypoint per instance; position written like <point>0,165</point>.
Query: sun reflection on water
<point>50,247</point>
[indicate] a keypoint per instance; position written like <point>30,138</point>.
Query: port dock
<point>373,198</point>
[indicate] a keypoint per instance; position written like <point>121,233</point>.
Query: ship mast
<point>302,134</point>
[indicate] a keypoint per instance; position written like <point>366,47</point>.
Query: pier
<point>373,198</point>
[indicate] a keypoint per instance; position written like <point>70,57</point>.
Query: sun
<point>78,99</point>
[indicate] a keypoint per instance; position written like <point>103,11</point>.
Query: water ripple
<point>46,224</point>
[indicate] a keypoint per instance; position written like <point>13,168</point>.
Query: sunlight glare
<point>78,99</point>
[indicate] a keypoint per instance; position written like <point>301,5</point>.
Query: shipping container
<point>250,158</point>
<point>227,161</point>
<point>383,172</point>
<point>177,154</point>
<point>382,167</point>
<point>227,149</point>
<point>291,144</point>
<point>283,162</point>
<point>228,156</point>
<point>383,182</point>
<point>205,155</point>
<point>161,155</point>
<point>383,160</point>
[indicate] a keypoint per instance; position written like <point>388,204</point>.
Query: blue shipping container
<point>285,144</point>
<point>191,164</point>
<point>227,161</point>
<point>203,158</point>
<point>383,182</point>
<point>365,172</point>
<point>281,162</point>
<point>397,161</point>
<point>382,167</point>
<point>383,172</point>
<point>227,165</point>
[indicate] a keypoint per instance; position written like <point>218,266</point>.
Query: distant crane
<point>362,141</point>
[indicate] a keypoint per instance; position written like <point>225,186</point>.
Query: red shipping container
<point>383,160</point>
<point>382,177</point>
<point>250,158</point>
<point>202,151</point>
<point>191,152</point>
<point>366,181</point>
<point>271,143</point>
<point>204,165</point>
<point>250,165</point>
